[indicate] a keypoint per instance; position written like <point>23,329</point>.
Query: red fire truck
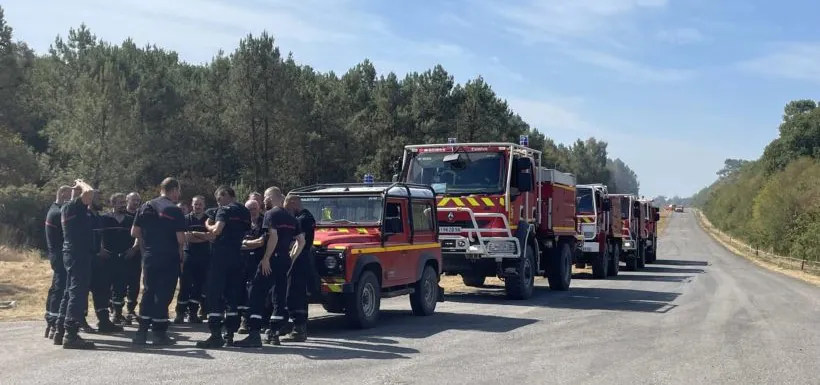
<point>631,246</point>
<point>601,245</point>
<point>651,217</point>
<point>500,213</point>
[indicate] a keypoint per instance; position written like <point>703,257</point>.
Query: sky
<point>674,86</point>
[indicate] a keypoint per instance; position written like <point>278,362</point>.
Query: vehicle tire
<point>424,299</point>
<point>522,285</point>
<point>560,272</point>
<point>472,280</point>
<point>615,260</point>
<point>641,255</point>
<point>632,261</point>
<point>600,265</point>
<point>334,303</point>
<point>362,308</point>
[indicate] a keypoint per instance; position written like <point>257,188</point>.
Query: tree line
<point>774,202</point>
<point>123,117</point>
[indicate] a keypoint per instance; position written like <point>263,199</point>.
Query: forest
<point>773,203</point>
<point>124,116</point>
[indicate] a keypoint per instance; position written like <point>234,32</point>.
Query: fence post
<point>803,263</point>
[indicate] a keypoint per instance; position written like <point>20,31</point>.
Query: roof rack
<point>388,188</point>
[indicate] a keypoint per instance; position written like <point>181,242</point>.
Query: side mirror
<point>524,181</point>
<point>636,212</point>
<point>395,178</point>
<point>606,205</point>
<point>657,217</point>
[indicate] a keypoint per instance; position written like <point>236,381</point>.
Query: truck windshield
<point>344,209</point>
<point>625,207</point>
<point>584,201</point>
<point>480,173</point>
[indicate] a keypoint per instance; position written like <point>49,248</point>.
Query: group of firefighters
<point>236,265</point>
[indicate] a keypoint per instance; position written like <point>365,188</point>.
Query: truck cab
<point>633,251</point>
<point>374,241</point>
<point>500,213</point>
<point>600,247</point>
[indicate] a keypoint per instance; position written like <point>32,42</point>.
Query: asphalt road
<point>699,316</point>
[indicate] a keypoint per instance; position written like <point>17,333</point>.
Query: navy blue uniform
<point>117,240</point>
<point>225,275</point>
<point>54,241</point>
<point>159,220</point>
<point>251,259</point>
<point>287,228</point>
<point>195,268</point>
<point>301,274</point>
<point>132,274</point>
<point>78,246</point>
<point>101,272</point>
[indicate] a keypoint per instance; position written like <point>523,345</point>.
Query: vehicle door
<point>396,227</point>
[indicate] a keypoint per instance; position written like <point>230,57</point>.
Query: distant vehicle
<point>678,209</point>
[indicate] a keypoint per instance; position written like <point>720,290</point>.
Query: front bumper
<point>591,247</point>
<point>336,286</point>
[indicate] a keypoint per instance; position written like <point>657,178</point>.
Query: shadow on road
<point>651,278</point>
<point>674,270</point>
<point>580,298</point>
<point>674,262</point>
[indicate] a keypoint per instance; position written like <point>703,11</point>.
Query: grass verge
<point>24,278</point>
<point>731,245</point>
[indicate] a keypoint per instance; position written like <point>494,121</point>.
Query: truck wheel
<point>615,261</point>
<point>632,261</point>
<point>362,308</point>
<point>560,272</point>
<point>521,286</point>
<point>601,264</point>
<point>641,255</point>
<point>424,299</point>
<point>652,256</point>
<point>334,303</point>
<point>472,280</point>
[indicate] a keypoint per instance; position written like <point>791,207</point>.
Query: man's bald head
<point>273,197</point>
<point>63,194</point>
<point>293,203</point>
<point>253,206</point>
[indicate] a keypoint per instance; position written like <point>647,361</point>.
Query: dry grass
<point>24,278</point>
<point>665,214</point>
<point>730,244</point>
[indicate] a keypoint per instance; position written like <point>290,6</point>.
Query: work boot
<point>85,327</point>
<point>243,328</point>
<point>299,334</point>
<point>58,335</point>
<point>272,337</point>
<point>194,319</point>
<point>106,326</point>
<point>179,318</point>
<point>215,341</point>
<point>161,338</point>
<point>74,341</point>
<point>141,337</point>
<point>49,328</point>
<point>53,332</point>
<point>130,318</point>
<point>253,340</point>
<point>118,319</point>
<point>228,337</point>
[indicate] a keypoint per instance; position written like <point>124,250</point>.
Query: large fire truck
<point>601,247</point>
<point>499,212</point>
<point>639,217</point>
<point>651,216</point>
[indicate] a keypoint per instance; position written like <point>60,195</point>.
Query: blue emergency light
<point>451,140</point>
<point>524,140</point>
<point>368,179</point>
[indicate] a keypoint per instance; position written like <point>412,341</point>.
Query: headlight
<point>333,261</point>
<point>628,244</point>
<point>506,247</point>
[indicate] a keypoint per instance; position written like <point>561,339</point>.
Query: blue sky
<point>674,86</point>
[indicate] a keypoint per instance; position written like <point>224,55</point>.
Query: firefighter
<point>225,275</point>
<point>300,275</point>
<point>101,271</point>
<point>184,207</point>
<point>255,196</point>
<point>195,266</point>
<point>133,263</point>
<point>117,242</point>
<point>282,228</point>
<point>78,239</point>
<point>252,249</point>
<point>160,228</point>
<point>54,241</point>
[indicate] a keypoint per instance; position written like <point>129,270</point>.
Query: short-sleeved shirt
<point>307,224</point>
<point>237,221</point>
<point>116,235</point>
<point>78,227</point>
<point>286,226</point>
<point>197,224</point>
<point>159,221</point>
<point>255,232</point>
<point>54,230</point>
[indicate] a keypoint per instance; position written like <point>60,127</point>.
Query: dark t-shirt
<point>54,230</point>
<point>160,220</point>
<point>98,223</point>
<point>197,224</point>
<point>286,226</point>
<point>116,235</point>
<point>308,225</point>
<point>255,232</point>
<point>237,221</point>
<point>78,227</point>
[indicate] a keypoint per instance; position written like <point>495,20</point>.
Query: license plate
<point>449,229</point>
<point>587,249</point>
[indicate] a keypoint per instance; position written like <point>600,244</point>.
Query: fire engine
<point>636,235</point>
<point>601,245</point>
<point>499,212</point>
<point>651,216</point>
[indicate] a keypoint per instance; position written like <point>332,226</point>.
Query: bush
<point>22,213</point>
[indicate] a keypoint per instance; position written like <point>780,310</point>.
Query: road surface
<point>699,316</point>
